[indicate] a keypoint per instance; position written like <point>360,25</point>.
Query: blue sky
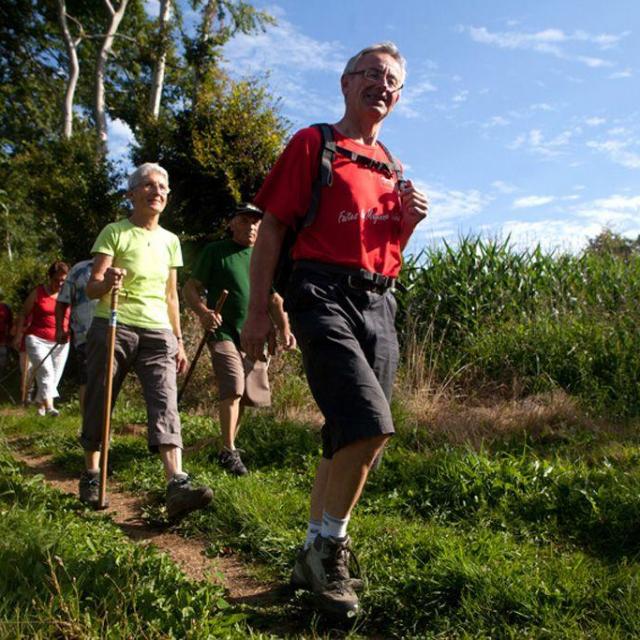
<point>517,117</point>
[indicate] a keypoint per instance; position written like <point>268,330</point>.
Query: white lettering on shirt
<point>370,215</point>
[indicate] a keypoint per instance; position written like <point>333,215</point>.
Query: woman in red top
<point>38,324</point>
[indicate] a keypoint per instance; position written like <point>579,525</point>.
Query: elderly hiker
<point>347,256</point>
<point>141,258</point>
<point>73,297</point>
<point>37,325</point>
<point>241,381</point>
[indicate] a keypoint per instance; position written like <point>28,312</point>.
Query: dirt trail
<point>190,554</point>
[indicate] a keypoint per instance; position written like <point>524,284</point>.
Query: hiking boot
<point>183,498</point>
<point>325,567</point>
<point>89,489</point>
<point>299,580</point>
<point>230,461</point>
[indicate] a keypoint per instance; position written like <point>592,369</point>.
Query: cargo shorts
<point>151,354</point>
<point>350,353</point>
<point>239,376</point>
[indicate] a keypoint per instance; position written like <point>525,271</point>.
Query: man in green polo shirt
<point>241,382</point>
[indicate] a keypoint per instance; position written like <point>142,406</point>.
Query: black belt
<point>355,278</point>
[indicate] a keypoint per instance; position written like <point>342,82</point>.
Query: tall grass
<point>527,320</point>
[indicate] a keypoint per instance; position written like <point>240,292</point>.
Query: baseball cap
<point>245,207</point>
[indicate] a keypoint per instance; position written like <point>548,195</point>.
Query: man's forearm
<point>263,262</point>
<point>192,294</point>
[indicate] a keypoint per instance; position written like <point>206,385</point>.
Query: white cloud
<point>542,106</point>
<point>594,121</point>
<point>618,75</point>
<point>411,97</point>
<point>119,139</point>
<point>503,187</point>
<point>532,201</point>
<point>450,204</point>
<point>535,142</point>
<point>553,42</point>
<point>551,234</point>
<point>618,151</point>
<point>283,47</point>
<point>461,96</point>
<point>496,121</point>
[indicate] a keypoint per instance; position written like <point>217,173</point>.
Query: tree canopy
<point>217,136</point>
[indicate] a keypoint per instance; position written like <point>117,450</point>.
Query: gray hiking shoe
<point>230,461</point>
<point>89,489</point>
<point>183,498</point>
<point>324,565</point>
<point>299,580</point>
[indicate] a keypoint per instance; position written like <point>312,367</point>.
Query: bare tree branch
<point>74,69</point>
<point>107,44</point>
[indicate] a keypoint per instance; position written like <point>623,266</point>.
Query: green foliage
<point>529,319</point>
<point>216,155</point>
<point>64,575</point>
<point>528,539</point>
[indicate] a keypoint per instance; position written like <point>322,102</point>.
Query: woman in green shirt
<point>139,257</point>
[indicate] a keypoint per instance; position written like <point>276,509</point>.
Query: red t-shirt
<point>358,220</point>
<point>43,318</point>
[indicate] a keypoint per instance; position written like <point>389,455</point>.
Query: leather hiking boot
<point>89,489</point>
<point>299,580</point>
<point>230,461</point>
<point>325,567</point>
<point>183,498</point>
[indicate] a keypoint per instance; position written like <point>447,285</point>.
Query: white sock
<point>313,529</point>
<point>333,527</point>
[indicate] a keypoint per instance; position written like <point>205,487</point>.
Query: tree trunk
<point>107,44</point>
<point>157,82</point>
<point>74,71</point>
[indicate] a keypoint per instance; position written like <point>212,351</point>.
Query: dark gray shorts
<point>81,362</point>
<point>151,354</point>
<point>350,352</point>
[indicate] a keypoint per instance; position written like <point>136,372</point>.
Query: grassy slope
<point>523,539</point>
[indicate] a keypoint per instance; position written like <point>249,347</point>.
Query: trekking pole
<point>108,389</point>
<point>192,366</point>
<point>32,376</point>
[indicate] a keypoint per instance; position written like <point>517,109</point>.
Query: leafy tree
<point>610,243</point>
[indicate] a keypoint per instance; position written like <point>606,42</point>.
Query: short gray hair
<point>383,47</point>
<point>144,170</point>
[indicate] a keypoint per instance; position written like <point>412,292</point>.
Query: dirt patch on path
<point>190,554</point>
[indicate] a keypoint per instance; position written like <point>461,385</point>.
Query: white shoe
<point>42,411</point>
<point>54,413</point>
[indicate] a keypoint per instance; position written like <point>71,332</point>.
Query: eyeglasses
<point>378,75</point>
<point>149,186</point>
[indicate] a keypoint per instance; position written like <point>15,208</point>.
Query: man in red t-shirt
<point>340,303</point>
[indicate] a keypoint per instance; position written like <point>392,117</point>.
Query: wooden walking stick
<point>192,366</point>
<point>108,389</point>
<point>32,376</point>
<point>23,377</point>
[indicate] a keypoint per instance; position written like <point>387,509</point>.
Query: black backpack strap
<point>324,177</point>
<point>396,167</point>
